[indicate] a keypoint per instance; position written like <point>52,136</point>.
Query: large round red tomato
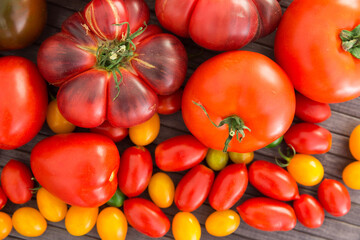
<point>319,65</point>
<point>110,66</point>
<point>245,92</point>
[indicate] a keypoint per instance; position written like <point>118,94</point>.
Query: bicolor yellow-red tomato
<point>55,120</point>
<point>222,223</point>
<point>185,226</point>
<point>351,175</point>
<point>79,221</point>
<point>52,208</point>
<point>111,224</point>
<point>145,133</point>
<point>29,222</point>
<point>216,159</point>
<point>5,225</point>
<point>306,169</point>
<point>354,143</point>
<point>241,157</point>
<point>161,190</point>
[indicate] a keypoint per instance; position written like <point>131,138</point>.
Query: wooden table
<point>345,116</point>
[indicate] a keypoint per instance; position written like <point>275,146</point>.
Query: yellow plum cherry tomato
<point>29,222</point>
<point>161,190</point>
<point>354,142</point>
<point>306,169</point>
<point>79,221</point>
<point>52,208</point>
<point>241,157</point>
<point>222,223</point>
<point>5,225</point>
<point>185,226</point>
<point>351,175</point>
<point>216,159</point>
<point>145,133</point>
<point>55,120</point>
<point>111,224</point>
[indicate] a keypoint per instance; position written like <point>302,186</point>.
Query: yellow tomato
<point>222,223</point>
<point>111,224</point>
<point>52,208</point>
<point>354,142</point>
<point>161,190</point>
<point>241,157</point>
<point>145,133</point>
<point>185,226</point>
<point>79,221</point>
<point>306,169</point>
<point>351,175</point>
<point>5,225</point>
<point>216,159</point>
<point>29,222</point>
<point>56,122</point>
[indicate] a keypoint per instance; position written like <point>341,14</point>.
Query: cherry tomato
<point>52,208</point>
<point>5,225</point>
<point>306,169</point>
<point>161,190</point>
<point>56,122</point>
<point>275,143</point>
<point>216,159</point>
<point>311,111</point>
<point>241,157</point>
<point>185,226</point>
<point>115,133</point>
<point>351,175</point>
<point>111,224</point>
<point>117,200</point>
<point>29,222</point>
<point>354,142</point>
<point>79,221</point>
<point>309,211</point>
<point>146,132</point>
<point>169,104</point>
<point>3,198</point>
<point>334,197</point>
<point>222,223</point>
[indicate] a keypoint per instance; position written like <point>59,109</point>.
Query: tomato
<point>275,143</point>
<point>333,77</point>
<point>185,226</point>
<point>354,142</point>
<point>169,104</point>
<point>193,188</point>
<point>247,117</point>
<point>22,109</point>
<point>241,157</point>
<point>119,64</point>
<point>22,22</point>
<point>3,198</point>
<point>29,222</point>
<point>78,168</point>
<point>161,190</point>
<point>216,159</point>
<point>309,211</point>
<point>179,153</point>
<point>16,182</point>
<point>79,221</point>
<point>273,181</point>
<point>306,169</point>
<point>146,132</point>
<point>5,225</point>
<point>56,122</point>
<point>229,186</point>
<point>267,214</point>
<point>311,111</point>
<point>52,208</point>
<point>117,200</point>
<point>222,223</point>
<point>308,138</point>
<point>351,175</point>
<point>115,133</point>
<point>135,171</point>
<point>221,26</point>
<point>146,217</point>
<point>111,224</point>
<point>334,197</point>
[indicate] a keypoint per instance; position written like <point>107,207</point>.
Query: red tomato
<point>179,153</point>
<point>267,214</point>
<point>146,217</point>
<point>16,181</point>
<point>78,168</point>
<point>135,171</point>
<point>334,197</point>
<point>169,104</point>
<point>193,188</point>
<point>273,181</point>
<point>219,25</point>
<point>23,101</point>
<point>229,186</point>
<point>239,101</point>
<point>309,211</point>
<point>3,198</point>
<point>115,133</point>
<point>311,111</point>
<point>308,138</point>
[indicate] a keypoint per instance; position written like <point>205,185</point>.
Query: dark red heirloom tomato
<point>115,133</point>
<point>146,217</point>
<point>273,181</point>
<point>311,111</point>
<point>78,168</point>
<point>110,66</point>
<point>219,25</point>
<point>23,101</point>
<point>135,171</point>
<point>308,138</point>
<point>16,182</point>
<point>309,211</point>
<point>229,186</point>
<point>169,104</point>
<point>3,198</point>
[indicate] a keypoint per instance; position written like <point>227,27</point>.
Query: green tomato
<point>275,143</point>
<point>117,199</point>
<point>216,159</point>
<point>241,157</point>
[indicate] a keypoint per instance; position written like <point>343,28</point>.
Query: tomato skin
<point>79,221</point>
<point>229,186</point>
<point>146,132</point>
<point>309,211</point>
<point>351,175</point>
<point>179,153</point>
<point>3,198</point>
<point>275,143</point>
<point>52,208</point>
<point>16,182</point>
<point>29,222</point>
<point>146,217</point>
<point>267,214</point>
<point>193,188</point>
<point>273,181</point>
<point>56,122</point>
<point>308,138</point>
<point>170,104</point>
<point>111,224</point>
<point>311,111</point>
<point>334,197</point>
<point>185,226</point>
<point>306,169</point>
<point>354,142</point>
<point>161,190</point>
<point>241,157</point>
<point>115,133</point>
<point>222,223</point>
<point>135,171</point>
<point>5,225</point>
<point>216,159</point>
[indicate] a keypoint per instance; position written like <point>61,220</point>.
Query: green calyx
<point>285,158</point>
<point>351,41</point>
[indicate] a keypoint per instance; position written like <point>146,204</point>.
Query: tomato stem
<point>290,153</point>
<point>351,41</point>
